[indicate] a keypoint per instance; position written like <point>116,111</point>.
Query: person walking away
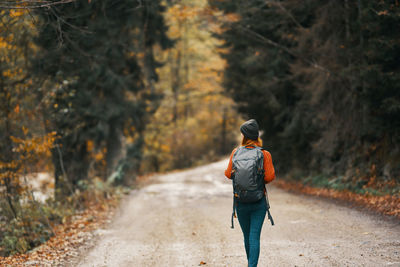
<point>251,205</point>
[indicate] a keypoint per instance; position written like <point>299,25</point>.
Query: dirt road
<point>183,219</point>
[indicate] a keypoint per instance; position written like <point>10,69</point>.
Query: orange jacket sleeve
<point>269,171</point>
<point>228,170</point>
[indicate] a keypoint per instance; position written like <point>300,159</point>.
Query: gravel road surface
<point>183,219</point>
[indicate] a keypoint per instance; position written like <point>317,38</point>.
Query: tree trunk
<point>346,19</point>
<point>113,147</point>
<point>176,83</point>
<point>11,183</point>
<point>223,131</point>
<point>364,107</point>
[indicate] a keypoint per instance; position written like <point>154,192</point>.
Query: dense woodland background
<point>94,93</point>
<point>322,78</point>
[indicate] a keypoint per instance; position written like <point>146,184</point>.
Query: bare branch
<point>32,4</point>
<point>279,4</point>
<point>284,48</point>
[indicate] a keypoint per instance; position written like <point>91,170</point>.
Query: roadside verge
<point>387,204</point>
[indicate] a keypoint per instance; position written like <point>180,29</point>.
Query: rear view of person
<point>250,167</point>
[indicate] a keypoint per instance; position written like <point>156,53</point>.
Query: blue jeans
<point>251,218</point>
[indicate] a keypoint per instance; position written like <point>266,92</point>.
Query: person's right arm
<point>228,171</point>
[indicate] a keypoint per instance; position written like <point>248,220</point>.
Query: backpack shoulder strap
<point>262,153</point>
<point>236,152</point>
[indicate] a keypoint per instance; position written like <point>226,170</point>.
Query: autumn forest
<point>95,95</point>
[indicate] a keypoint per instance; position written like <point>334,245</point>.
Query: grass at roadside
<point>359,186</point>
<point>51,232</point>
<point>384,200</point>
<point>68,238</point>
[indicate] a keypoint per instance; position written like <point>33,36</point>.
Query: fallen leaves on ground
<point>68,240</point>
<point>387,204</point>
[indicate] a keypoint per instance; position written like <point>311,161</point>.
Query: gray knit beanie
<point>250,129</point>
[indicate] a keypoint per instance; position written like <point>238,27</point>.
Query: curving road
<point>183,219</point>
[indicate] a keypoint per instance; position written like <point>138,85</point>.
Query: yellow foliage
<point>99,156</point>
<point>8,165</point>
<point>165,148</point>
<point>3,43</point>
<point>15,48</point>
<point>17,12</point>
<point>25,130</point>
<point>89,145</point>
<point>129,140</point>
<point>140,55</point>
<point>26,151</point>
<point>16,109</point>
<point>35,145</point>
<point>187,127</point>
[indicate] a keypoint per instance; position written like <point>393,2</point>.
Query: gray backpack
<point>248,178</point>
<point>248,174</point>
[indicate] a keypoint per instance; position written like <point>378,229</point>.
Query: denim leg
<point>251,218</point>
<point>243,215</point>
<point>256,222</point>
